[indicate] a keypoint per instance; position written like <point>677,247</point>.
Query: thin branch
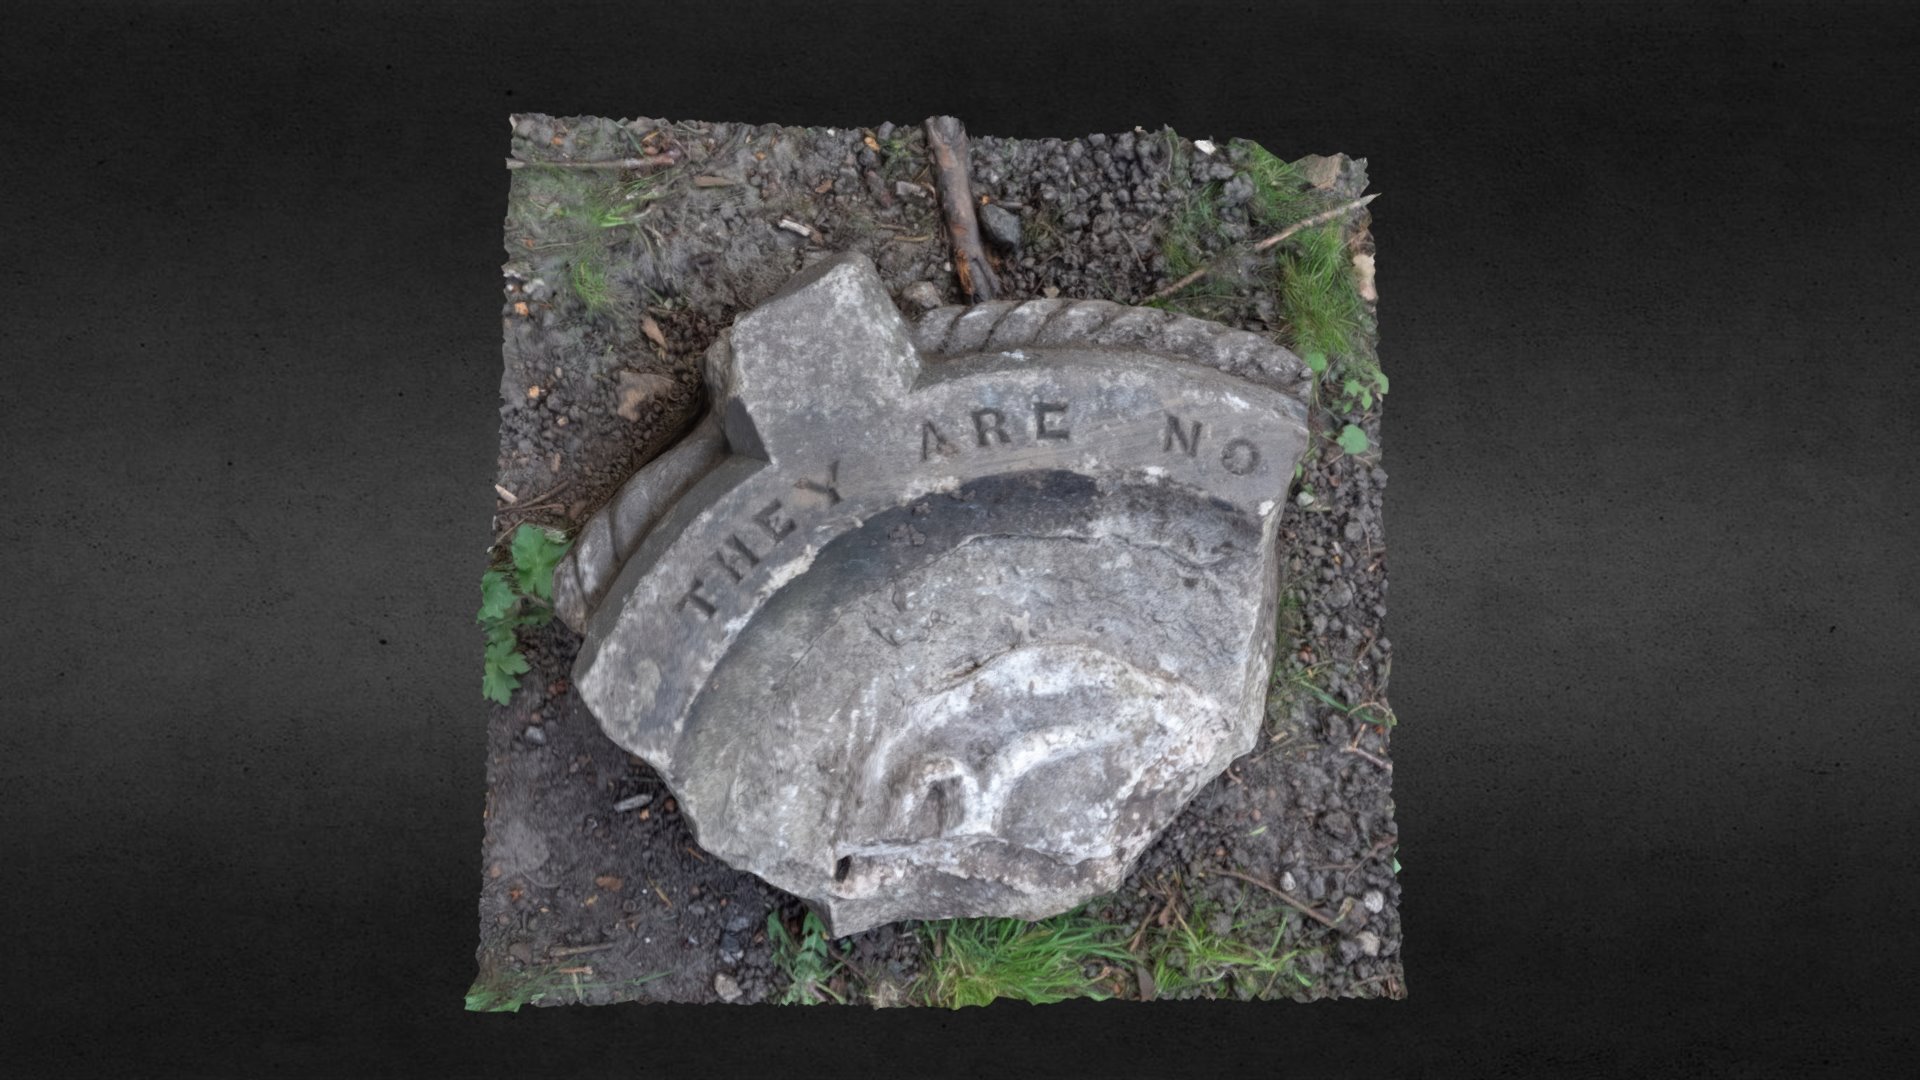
<point>1309,222</point>
<point>1299,905</point>
<point>947,139</point>
<point>639,164</point>
<point>535,500</point>
<point>1353,748</point>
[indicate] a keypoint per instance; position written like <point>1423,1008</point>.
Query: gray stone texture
<point>949,618</point>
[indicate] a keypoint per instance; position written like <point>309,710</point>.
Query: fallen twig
<point>947,139</point>
<point>1308,222</point>
<point>1353,747</point>
<point>1379,847</point>
<point>536,500</point>
<point>543,501</point>
<point>651,161</point>
<point>1291,900</point>
<point>1365,644</point>
<point>577,950</point>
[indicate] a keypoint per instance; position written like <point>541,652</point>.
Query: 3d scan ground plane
<point>952,617</point>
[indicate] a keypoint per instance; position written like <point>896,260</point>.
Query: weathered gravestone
<point>951,618</point>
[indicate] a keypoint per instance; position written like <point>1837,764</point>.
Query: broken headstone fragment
<point>947,618</point>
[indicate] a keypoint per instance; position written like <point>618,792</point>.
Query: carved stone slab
<point>952,618</point>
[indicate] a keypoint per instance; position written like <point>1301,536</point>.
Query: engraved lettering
<point>826,487</point>
<point>1240,457</point>
<point>1189,441</point>
<point>735,548</point>
<point>776,524</point>
<point>693,597</point>
<point>932,442</point>
<point>1042,410</point>
<point>982,428</point>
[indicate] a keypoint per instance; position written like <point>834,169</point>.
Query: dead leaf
<point>636,389</point>
<point>711,181</point>
<point>1363,277</point>
<point>608,882</point>
<point>652,330</point>
<point>1320,171</point>
<point>823,186</point>
<point>872,143</point>
<point>507,495</point>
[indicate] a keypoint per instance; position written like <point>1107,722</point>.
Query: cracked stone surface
<point>947,618</point>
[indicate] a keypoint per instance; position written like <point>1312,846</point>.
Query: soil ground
<point>616,282</point>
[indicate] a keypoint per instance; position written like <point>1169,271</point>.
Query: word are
<point>990,429</point>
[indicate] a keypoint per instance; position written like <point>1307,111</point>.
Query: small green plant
<point>1357,388</point>
<point>974,961</point>
<point>1322,308</point>
<point>895,156</point>
<point>1280,193</point>
<point>1367,712</point>
<point>519,594</point>
<point>589,280</point>
<point>1193,232</point>
<point>1192,954</point>
<point>805,961</point>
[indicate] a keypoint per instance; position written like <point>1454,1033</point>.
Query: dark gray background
<point>1647,282</point>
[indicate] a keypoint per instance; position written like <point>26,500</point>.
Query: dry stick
<point>549,505</point>
<point>1379,847</point>
<point>1320,218</point>
<point>1301,906</point>
<point>1353,747</point>
<point>578,950</point>
<point>652,161</point>
<point>539,502</point>
<point>1366,643</point>
<point>528,503</point>
<point>947,139</point>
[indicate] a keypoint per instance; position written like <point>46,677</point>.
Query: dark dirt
<point>583,902</point>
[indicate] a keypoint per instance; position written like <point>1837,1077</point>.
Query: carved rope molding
<point>612,535</point>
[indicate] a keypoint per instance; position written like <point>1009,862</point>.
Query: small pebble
<point>1374,900</point>
<point>535,735</point>
<point>922,294</point>
<point>632,802</point>
<point>729,990</point>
